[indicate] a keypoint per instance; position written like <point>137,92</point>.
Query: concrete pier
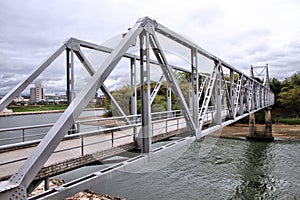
<point>266,133</point>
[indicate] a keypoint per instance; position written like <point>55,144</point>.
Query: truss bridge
<point>201,94</point>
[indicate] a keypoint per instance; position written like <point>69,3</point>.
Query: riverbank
<point>9,114</point>
<point>78,196</point>
<point>282,131</point>
<point>92,195</point>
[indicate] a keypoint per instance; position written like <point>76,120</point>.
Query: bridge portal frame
<point>230,91</point>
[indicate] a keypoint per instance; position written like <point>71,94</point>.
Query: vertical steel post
<point>242,93</point>
<point>112,138</point>
<point>145,92</point>
<point>23,135</point>
<point>47,183</point>
<point>231,93</point>
<point>133,96</point>
<point>169,100</point>
<point>217,119</point>
<point>195,87</point>
<point>70,75</point>
<point>82,145</point>
<point>70,80</point>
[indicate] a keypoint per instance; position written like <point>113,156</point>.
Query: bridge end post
<point>10,190</point>
<point>266,134</point>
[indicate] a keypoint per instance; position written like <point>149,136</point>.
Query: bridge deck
<point>123,137</point>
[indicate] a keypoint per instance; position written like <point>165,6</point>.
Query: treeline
<point>287,96</point>
<point>122,96</point>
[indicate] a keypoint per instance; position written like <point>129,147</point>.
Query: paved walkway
<point>126,136</point>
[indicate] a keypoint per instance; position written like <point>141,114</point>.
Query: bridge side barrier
<point>167,124</point>
<point>24,136</point>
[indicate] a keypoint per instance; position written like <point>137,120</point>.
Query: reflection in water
<point>231,169</point>
<point>255,168</point>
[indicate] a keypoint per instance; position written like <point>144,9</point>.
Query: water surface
<point>233,169</point>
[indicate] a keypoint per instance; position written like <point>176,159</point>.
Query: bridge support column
<point>252,125</point>
<point>266,133</point>
<point>144,140</point>
<point>268,121</point>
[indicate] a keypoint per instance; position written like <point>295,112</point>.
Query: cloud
<point>241,33</point>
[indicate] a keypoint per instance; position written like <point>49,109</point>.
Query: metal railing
<point>22,133</point>
<point>116,125</point>
<point>86,126</point>
<point>162,122</point>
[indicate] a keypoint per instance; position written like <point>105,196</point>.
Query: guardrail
<point>107,126</point>
<point>161,122</point>
<point>22,135</point>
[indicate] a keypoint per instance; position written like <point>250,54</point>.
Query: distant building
<point>51,98</point>
<point>20,101</point>
<point>37,93</point>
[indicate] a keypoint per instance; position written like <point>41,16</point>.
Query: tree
<point>289,99</point>
<point>275,86</point>
<point>122,96</point>
<point>295,79</point>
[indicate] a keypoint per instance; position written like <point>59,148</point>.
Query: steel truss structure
<point>227,91</point>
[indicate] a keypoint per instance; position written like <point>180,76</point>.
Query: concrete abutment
<point>266,133</point>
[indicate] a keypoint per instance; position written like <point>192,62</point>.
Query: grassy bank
<point>280,118</point>
<point>33,108</point>
<point>288,121</point>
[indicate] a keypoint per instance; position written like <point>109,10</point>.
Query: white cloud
<point>242,33</point>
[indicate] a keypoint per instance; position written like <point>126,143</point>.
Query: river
<point>222,169</point>
<point>34,119</point>
<point>231,169</point>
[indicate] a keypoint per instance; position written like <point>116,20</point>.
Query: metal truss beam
<point>245,96</point>
<point>207,96</point>
<point>237,100</point>
<point>22,179</point>
<point>156,89</point>
<point>204,80</point>
<point>28,80</point>
<point>103,88</point>
<point>167,70</point>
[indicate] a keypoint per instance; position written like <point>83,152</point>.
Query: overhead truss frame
<point>235,91</point>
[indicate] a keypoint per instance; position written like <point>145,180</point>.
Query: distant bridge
<point>218,95</point>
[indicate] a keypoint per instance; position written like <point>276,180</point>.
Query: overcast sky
<point>242,33</point>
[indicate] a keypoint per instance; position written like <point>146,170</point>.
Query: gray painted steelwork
<point>224,88</point>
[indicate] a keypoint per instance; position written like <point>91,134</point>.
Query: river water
<point>230,169</point>
<point>34,119</point>
<point>222,169</point>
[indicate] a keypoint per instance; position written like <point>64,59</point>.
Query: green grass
<point>32,108</point>
<point>289,121</point>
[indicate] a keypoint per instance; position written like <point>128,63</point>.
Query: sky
<point>242,33</point>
